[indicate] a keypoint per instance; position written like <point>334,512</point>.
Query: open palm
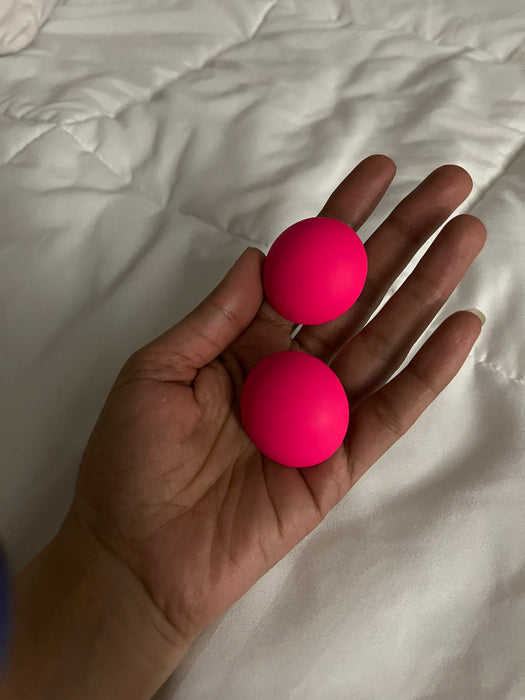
<point>171,484</point>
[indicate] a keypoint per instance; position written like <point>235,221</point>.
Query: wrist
<point>85,626</point>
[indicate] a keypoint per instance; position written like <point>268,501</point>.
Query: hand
<point>176,514</point>
<point>171,485</point>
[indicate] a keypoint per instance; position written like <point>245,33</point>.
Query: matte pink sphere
<point>294,409</point>
<point>315,270</point>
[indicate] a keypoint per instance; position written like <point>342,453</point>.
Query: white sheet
<point>143,145</point>
<point>20,21</point>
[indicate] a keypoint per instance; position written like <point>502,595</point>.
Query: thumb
<point>218,320</point>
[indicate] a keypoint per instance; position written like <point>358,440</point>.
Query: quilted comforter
<point>143,145</point>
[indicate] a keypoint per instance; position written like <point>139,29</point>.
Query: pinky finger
<point>384,416</point>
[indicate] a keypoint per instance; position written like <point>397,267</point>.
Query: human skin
<point>175,513</point>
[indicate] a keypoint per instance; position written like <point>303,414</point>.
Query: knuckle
<point>378,345</point>
<point>138,365</point>
<point>403,225</point>
<point>150,363</point>
<point>388,415</point>
<point>427,384</point>
<point>425,290</point>
<point>229,313</point>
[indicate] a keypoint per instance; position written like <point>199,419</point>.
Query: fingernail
<point>479,314</point>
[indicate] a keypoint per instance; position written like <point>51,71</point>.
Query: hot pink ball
<point>294,409</point>
<point>315,270</point>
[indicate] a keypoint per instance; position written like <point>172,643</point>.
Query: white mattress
<point>144,144</point>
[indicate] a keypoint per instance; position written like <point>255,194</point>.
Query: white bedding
<point>143,145</point>
<point>20,21</point>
